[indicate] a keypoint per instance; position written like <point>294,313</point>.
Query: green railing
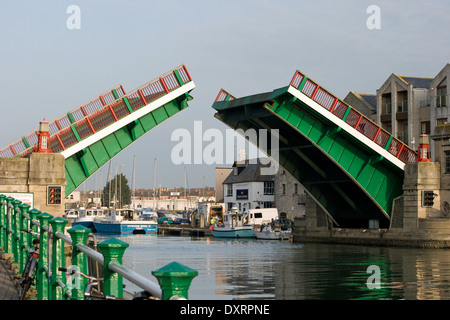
<point>51,283</point>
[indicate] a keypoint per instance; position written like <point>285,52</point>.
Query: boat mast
<point>134,182</point>
<point>108,205</point>
<point>115,188</point>
<point>154,183</point>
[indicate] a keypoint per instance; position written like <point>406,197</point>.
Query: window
<point>402,133</point>
<point>441,96</point>
<point>295,188</point>
<point>425,127</point>
<point>447,161</point>
<point>283,187</point>
<point>229,190</point>
<point>386,104</point>
<point>441,121</point>
<point>268,204</point>
<point>268,187</point>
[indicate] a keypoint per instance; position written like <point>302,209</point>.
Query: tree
<point>119,186</point>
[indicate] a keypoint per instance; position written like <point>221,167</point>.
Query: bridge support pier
<point>34,174</point>
<point>418,218</point>
<point>421,195</point>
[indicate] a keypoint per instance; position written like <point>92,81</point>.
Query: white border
<point>128,119</point>
<point>340,123</point>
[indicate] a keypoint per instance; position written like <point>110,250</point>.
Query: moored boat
<point>232,227</point>
<point>86,217</point>
<point>71,214</point>
<point>124,221</point>
<point>279,229</point>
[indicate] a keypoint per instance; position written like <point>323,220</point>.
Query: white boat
<point>279,229</point>
<point>86,217</point>
<point>72,214</point>
<point>124,221</point>
<point>232,227</point>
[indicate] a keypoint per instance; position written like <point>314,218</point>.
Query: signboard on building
<point>25,197</point>
<point>242,194</point>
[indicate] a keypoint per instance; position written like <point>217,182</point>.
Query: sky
<point>246,47</point>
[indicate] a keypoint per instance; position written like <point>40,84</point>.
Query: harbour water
<point>275,270</point>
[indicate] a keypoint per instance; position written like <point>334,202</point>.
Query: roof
<point>417,82</point>
<point>370,99</point>
<point>250,171</point>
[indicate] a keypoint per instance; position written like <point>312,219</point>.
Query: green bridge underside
<point>351,182</point>
<point>86,162</point>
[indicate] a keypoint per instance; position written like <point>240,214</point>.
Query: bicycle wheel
<point>28,276</point>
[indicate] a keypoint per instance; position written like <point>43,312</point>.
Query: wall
<point>291,202</point>
<point>221,175</point>
<point>420,176</point>
<point>34,174</point>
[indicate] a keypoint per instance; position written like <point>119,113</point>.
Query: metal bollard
<point>175,280</point>
<point>79,235</point>
<point>43,267</point>
<point>9,231</point>
<point>112,250</point>
<point>23,236</point>
<point>58,259</point>
<point>16,233</point>
<point>33,213</point>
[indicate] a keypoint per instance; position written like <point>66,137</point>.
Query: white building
<point>245,188</point>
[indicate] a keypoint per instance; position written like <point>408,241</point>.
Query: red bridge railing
<point>224,96</point>
<point>353,118</point>
<point>99,113</point>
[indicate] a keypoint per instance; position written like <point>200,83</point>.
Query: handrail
<point>137,279</point>
<point>51,283</point>
<point>83,122</point>
<point>224,96</point>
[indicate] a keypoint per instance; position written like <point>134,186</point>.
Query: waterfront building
<point>246,188</point>
<point>402,108</point>
<point>364,103</point>
<point>407,106</point>
<point>439,102</point>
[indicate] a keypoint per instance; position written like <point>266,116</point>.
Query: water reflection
<point>255,269</point>
<point>340,272</point>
